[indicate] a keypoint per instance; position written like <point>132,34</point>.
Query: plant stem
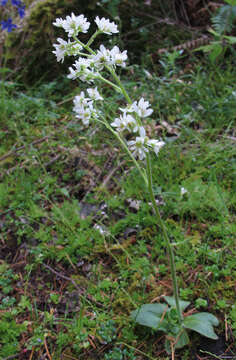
<point>117,88</point>
<point>91,40</point>
<point>166,238</point>
<point>109,68</point>
<point>117,135</point>
<point>121,86</point>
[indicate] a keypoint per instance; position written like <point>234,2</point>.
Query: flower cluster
<point>83,106</point>
<point>105,26</point>
<point>141,145</point>
<point>73,25</point>
<point>87,68</point>
<point>20,7</point>
<point>64,48</point>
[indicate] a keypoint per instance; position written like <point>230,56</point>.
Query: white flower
<point>102,58</point>
<point>74,24</point>
<point>101,229</point>
<point>73,74</point>
<point>82,70</point>
<point>141,108</point>
<point>85,115</point>
<point>94,94</point>
<point>120,123</point>
<point>183,191</point>
<point>156,145</point>
<point>80,101</point>
<point>131,123</point>
<point>59,22</point>
<point>125,122</point>
<point>128,109</point>
<point>61,49</point>
<point>73,48</point>
<point>109,57</point>
<point>64,48</point>
<point>84,109</point>
<point>105,26</point>
<point>139,145</point>
<point>85,112</point>
<point>117,57</point>
<point>142,132</point>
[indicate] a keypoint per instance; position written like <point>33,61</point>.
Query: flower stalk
<point>167,240</point>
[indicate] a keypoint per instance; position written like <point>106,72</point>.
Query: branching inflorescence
<point>88,68</point>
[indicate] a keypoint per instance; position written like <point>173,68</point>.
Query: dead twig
<point>111,173</point>
<point>11,357</point>
<point>80,290</point>
<point>52,160</point>
<point>9,171</point>
<point>46,348</point>
<point>13,152</point>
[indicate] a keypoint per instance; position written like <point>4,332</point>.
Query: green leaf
<point>202,323</point>
<point>207,48</point>
<point>231,2</point>
<point>4,70</point>
<point>171,301</point>
<point>182,340</point>
<point>64,192</point>
<point>216,51</point>
<point>231,39</point>
<point>151,315</point>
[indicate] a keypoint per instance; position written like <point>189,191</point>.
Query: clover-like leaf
<point>151,315</point>
<point>171,301</point>
<point>202,323</point>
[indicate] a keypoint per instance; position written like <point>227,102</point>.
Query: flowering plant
<point>19,6</point>
<point>96,66</point>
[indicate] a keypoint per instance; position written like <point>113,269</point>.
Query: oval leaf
<point>171,301</point>
<point>202,323</point>
<point>149,315</point>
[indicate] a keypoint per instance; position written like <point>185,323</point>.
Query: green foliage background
<point>28,51</point>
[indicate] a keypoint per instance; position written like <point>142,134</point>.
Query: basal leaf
<point>202,323</point>
<point>171,301</point>
<point>150,315</point>
<point>181,339</point>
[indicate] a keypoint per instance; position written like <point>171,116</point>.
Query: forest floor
<point>79,245</point>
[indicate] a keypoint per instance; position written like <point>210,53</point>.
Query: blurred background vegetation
<point>146,27</point>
